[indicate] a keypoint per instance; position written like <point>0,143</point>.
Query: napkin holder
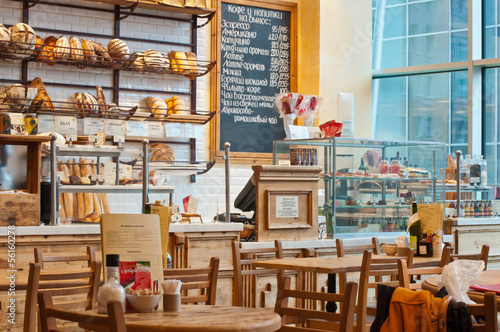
<point>171,302</point>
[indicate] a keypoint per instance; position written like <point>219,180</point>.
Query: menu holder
<point>135,237</point>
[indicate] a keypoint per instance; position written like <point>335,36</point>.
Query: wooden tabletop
<point>490,277</point>
<point>204,318</point>
<point>332,265</point>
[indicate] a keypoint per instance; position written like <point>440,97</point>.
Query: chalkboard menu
<point>255,65</point>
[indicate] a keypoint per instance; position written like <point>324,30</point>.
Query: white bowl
<point>143,303</point>
<point>390,249</point>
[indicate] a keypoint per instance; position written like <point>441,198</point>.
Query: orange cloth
<point>412,311</point>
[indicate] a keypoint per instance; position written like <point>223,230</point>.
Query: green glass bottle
<point>415,231</point>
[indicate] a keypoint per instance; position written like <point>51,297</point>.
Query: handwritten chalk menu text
<point>255,65</point>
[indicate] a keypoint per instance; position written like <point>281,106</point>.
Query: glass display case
<point>368,184</point>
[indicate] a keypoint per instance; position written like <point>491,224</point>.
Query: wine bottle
<point>415,232</point>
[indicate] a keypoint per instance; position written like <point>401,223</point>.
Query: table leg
<point>332,288</point>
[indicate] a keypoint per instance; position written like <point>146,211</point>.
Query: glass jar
<point>395,166</point>
<point>383,167</point>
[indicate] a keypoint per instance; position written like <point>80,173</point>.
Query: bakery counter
<point>469,235</point>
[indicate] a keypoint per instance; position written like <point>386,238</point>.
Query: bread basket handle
<point>368,181</point>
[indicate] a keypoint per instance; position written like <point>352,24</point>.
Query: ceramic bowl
<point>390,249</point>
<point>143,303</point>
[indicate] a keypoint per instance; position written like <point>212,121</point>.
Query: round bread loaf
<point>4,37</point>
<point>103,55</point>
<point>89,103</point>
<point>38,47</point>
<point>76,52</point>
<point>158,106</point>
<point>155,60</point>
<point>47,54</point>
<point>88,51</point>
<point>101,100</point>
<point>61,49</point>
<point>23,36</point>
<point>139,64</point>
<point>118,49</point>
<point>161,152</point>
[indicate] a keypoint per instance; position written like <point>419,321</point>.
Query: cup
<point>172,302</point>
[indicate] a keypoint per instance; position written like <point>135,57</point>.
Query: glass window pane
<point>489,41</point>
<point>459,46</point>
<point>489,12</point>
<point>489,104</point>
<point>390,108</point>
<point>429,17</point>
<point>395,22</point>
<point>428,107</point>
<point>393,54</point>
<point>459,14</point>
<point>459,107</point>
<point>429,49</point>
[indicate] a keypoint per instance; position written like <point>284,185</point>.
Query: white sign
<point>345,115</point>
<point>46,123</point>
<point>298,132</point>
<point>125,172</point>
<point>137,128</point>
<point>65,125</point>
<point>115,127</point>
<point>156,129</point>
<point>92,126</point>
<point>287,206</point>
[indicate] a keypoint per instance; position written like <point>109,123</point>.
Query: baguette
<point>97,197</point>
<point>81,200</point>
<point>75,196</point>
<point>68,197</point>
<point>89,201</point>
<point>62,212</point>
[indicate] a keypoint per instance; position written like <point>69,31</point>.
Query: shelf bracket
<point>207,17</point>
<point>130,8</point>
<point>33,3</point>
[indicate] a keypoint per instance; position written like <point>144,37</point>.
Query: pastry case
<point>368,185</point>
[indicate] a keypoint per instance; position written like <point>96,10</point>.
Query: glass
<point>389,96</point>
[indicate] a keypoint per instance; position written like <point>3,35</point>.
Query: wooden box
<point>286,202</point>
<point>23,209</point>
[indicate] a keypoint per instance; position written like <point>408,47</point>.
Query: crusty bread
<point>101,100</point>
<point>192,70</point>
<point>118,49</point>
<point>155,61</point>
<point>101,52</point>
<point>161,152</point>
<point>23,36</point>
<point>88,51</point>
<point>158,106</point>
<point>61,49</point>
<point>47,54</point>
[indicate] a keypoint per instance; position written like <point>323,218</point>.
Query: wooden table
<point>204,318</point>
<point>489,277</point>
<point>333,265</point>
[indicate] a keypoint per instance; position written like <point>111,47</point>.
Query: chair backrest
<point>40,258</point>
<point>378,268</point>
<point>447,256</point>
<point>405,274</point>
<point>198,284</point>
<point>488,310</point>
<point>316,319</point>
<point>342,250</point>
<point>245,276</point>
<point>73,288</point>
<point>114,322</point>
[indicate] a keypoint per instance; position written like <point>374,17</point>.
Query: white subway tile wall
<point>209,188</point>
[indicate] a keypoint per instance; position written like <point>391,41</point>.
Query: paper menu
<point>431,217</point>
<point>135,237</point>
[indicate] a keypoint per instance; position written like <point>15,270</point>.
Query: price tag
<point>176,217</point>
<point>156,129</point>
<point>60,175</point>
<point>65,125</point>
<point>109,172</point>
<point>136,128</point>
<point>115,127</point>
<point>298,132</point>
<point>46,123</point>
<point>195,220</point>
<point>92,126</point>
<point>206,220</point>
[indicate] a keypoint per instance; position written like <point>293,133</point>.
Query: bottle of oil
<point>415,232</point>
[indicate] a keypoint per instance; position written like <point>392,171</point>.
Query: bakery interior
<point>413,89</point>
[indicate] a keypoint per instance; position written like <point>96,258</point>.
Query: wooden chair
<point>245,277</point>
<point>488,309</point>
<point>354,249</point>
<point>198,284</point>
<point>405,274</point>
<point>40,258</point>
<point>378,268</point>
<point>73,288</point>
<point>447,256</point>
<point>315,320</point>
<point>114,322</point>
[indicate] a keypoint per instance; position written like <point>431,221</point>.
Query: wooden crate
<point>24,209</point>
<point>20,209</point>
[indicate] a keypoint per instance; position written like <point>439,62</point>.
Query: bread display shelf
<point>117,189</point>
<point>112,112</point>
<point>82,150</point>
<point>110,61</point>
